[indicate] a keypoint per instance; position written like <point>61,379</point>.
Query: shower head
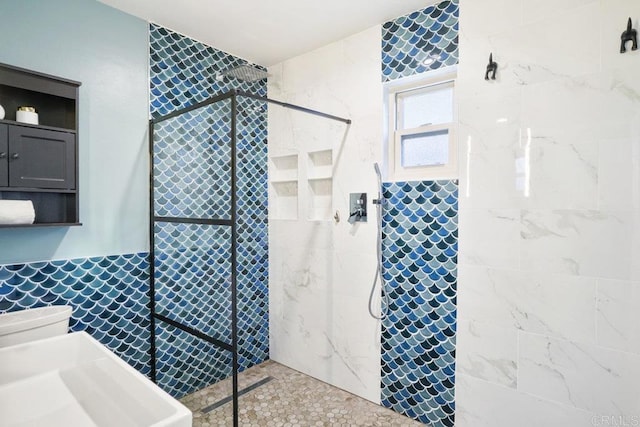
<point>376,166</point>
<point>246,72</point>
<point>379,201</point>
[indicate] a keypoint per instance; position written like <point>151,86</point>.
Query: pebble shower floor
<point>289,399</point>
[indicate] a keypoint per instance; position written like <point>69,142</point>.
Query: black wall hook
<point>491,68</point>
<point>629,35</point>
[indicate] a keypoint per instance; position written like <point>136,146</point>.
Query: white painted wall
<point>321,272</point>
<point>549,265</point>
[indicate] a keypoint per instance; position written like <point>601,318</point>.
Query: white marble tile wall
<point>321,272</point>
<point>549,275</point>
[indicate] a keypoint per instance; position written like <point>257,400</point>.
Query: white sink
<point>73,380</point>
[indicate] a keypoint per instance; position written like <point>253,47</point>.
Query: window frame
<point>395,91</point>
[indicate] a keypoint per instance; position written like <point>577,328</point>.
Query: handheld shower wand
<point>379,202</point>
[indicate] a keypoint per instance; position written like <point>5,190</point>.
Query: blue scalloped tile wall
<point>429,34</point>
<point>192,179</point>
<point>109,296</point>
<point>184,72</point>
<point>420,243</point>
<point>420,249</point>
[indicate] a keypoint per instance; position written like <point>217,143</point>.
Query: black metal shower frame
<point>232,222</point>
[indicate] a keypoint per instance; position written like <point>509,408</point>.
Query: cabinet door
<point>4,165</point>
<point>40,158</point>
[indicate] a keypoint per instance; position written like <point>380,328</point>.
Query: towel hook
<point>631,35</point>
<point>492,67</point>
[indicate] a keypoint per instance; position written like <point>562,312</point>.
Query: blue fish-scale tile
<point>418,335</point>
<point>107,310</point>
<point>409,40</point>
<point>191,162</point>
<point>184,71</point>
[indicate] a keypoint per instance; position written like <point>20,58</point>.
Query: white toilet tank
<point>33,324</point>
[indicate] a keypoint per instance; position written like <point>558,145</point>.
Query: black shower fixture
<point>492,67</point>
<point>631,35</point>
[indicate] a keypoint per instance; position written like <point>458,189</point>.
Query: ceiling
<point>266,32</point>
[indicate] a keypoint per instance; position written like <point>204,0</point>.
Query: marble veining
<point>556,368</point>
<point>617,302</point>
<point>549,208</point>
<point>320,271</point>
<point>488,352</point>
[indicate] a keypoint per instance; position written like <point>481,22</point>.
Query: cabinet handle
<point>15,156</point>
<point>3,155</point>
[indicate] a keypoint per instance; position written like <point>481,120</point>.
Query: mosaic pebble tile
<point>290,399</point>
<point>420,248</point>
<point>109,296</point>
<point>429,35</point>
<point>192,179</point>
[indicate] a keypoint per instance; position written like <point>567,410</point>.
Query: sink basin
<point>73,380</point>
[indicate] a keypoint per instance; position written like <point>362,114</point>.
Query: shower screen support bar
<point>193,220</point>
<point>234,261</point>
<point>232,223</point>
<point>295,107</point>
<point>208,101</point>
<point>231,93</point>
<point>194,332</point>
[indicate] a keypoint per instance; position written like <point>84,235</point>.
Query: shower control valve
<point>357,208</point>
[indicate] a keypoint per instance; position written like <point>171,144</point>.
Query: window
<point>422,141</point>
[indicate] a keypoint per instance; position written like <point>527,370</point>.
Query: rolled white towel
<point>15,212</point>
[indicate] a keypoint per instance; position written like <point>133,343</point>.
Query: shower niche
<point>283,177</point>
<point>320,164</point>
<point>301,181</point>
<point>320,185</point>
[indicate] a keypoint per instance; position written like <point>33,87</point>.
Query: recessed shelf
<point>320,164</point>
<point>283,200</point>
<point>283,168</point>
<point>283,181</point>
<point>320,199</point>
<point>321,157</point>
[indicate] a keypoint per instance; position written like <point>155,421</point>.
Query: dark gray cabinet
<point>40,162</point>
<point>40,158</point>
<point>4,156</point>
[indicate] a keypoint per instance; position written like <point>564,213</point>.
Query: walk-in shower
<point>201,178</point>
